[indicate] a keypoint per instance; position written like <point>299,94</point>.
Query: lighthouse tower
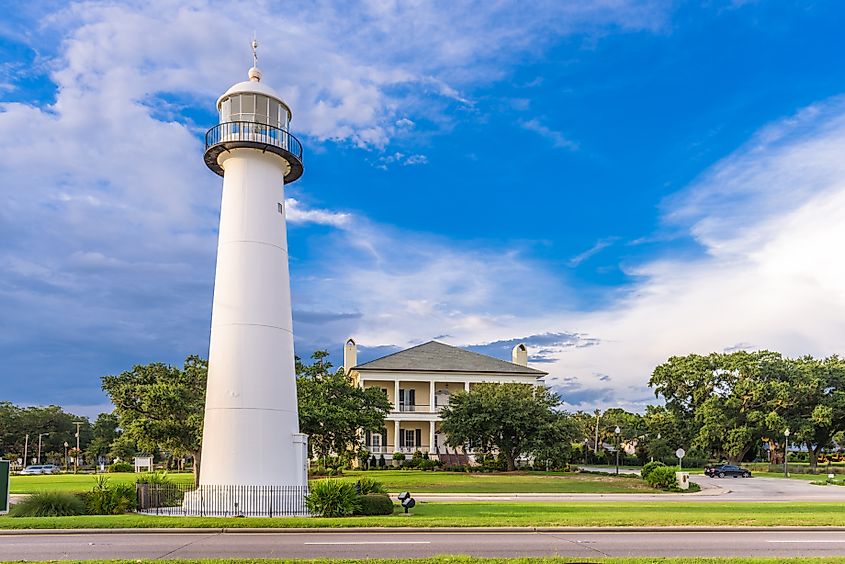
<point>251,434</point>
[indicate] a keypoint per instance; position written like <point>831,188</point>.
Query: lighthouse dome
<point>252,100</point>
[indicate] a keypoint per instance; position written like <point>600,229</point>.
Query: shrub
<point>417,455</point>
<point>647,469</point>
<point>154,479</point>
<point>368,486</point>
<point>107,499</point>
<point>332,498</point>
<point>375,504</point>
<point>49,504</point>
<point>381,461</point>
<point>662,477</point>
<point>455,468</point>
<point>428,465</point>
<point>121,467</point>
<point>398,456</point>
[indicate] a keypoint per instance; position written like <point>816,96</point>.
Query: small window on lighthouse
<point>248,106</point>
<point>226,110</point>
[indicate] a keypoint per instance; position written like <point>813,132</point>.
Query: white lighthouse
<point>251,435</point>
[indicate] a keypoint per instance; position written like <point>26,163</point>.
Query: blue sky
<point>612,182</point>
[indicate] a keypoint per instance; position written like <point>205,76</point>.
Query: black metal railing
<point>221,500</point>
<point>252,132</point>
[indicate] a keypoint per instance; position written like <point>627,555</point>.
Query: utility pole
<point>39,445</point>
<point>596,447</point>
<point>76,458</point>
<point>26,451</point>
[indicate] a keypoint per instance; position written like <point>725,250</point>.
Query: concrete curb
<point>399,530</point>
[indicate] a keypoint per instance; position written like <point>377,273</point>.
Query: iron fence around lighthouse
<point>221,500</point>
<point>253,132</point>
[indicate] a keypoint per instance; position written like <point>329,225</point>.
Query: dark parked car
<point>727,470</point>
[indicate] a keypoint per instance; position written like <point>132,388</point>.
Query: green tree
<point>513,419</point>
<point>814,403</point>
<point>161,406</point>
<point>332,411</point>
<point>104,432</point>
<point>731,397</point>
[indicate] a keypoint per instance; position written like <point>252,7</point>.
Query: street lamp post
<point>617,431</point>
<point>786,455</point>
<point>66,445</point>
<point>78,451</point>
<point>39,445</point>
<point>26,451</point>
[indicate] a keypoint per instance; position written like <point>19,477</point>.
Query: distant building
<point>419,381</point>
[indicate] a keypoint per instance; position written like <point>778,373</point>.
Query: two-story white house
<point>419,381</point>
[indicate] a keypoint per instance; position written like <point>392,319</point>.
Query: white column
<point>466,386</point>
<point>396,398</point>
<point>396,436</point>
<point>431,436</point>
<point>431,397</point>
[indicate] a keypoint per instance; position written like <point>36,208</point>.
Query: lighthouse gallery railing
<point>253,132</point>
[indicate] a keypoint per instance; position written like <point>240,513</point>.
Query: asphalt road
<point>762,543</point>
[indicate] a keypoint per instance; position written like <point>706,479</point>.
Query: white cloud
<point>557,138</point>
<point>297,213</point>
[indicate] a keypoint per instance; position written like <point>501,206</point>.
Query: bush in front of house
<point>427,464</point>
<point>49,504</point>
<point>121,467</point>
<point>381,461</point>
<point>662,477</point>
<point>397,456</point>
<point>648,468</point>
<point>332,498</point>
<point>375,504</point>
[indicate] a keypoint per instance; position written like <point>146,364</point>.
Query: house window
<point>410,438</point>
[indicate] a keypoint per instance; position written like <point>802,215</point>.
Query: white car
<point>40,469</point>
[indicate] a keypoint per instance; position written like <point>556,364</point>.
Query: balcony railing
<point>233,134</point>
<point>255,132</point>
<point>390,449</point>
<point>413,407</point>
<point>380,449</point>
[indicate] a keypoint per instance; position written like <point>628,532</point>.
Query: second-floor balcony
<point>411,407</point>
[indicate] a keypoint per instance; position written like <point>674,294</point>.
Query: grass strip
<point>491,514</point>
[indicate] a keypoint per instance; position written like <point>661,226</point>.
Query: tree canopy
<point>513,419</point>
<point>732,402</point>
<point>332,411</point>
<point>162,406</point>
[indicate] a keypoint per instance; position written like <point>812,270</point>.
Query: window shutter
<point>418,442</point>
<point>368,438</point>
<point>401,438</point>
<point>412,394</point>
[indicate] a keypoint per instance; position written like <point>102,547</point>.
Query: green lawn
<point>513,482</point>
<point>77,482</point>
<point>473,560</point>
<point>397,480</point>
<point>489,514</point>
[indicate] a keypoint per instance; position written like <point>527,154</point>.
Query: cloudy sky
<point>611,182</point>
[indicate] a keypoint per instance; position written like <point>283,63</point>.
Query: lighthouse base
<point>222,501</point>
